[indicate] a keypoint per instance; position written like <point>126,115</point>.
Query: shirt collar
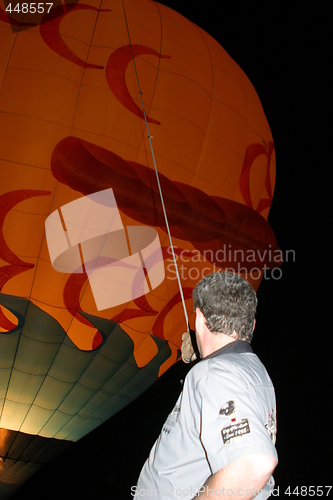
<point>238,346</point>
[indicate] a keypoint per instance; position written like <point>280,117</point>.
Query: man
<point>219,439</point>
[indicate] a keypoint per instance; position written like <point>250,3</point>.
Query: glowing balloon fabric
<point>72,125</point>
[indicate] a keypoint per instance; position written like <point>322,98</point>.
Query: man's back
<point>225,411</point>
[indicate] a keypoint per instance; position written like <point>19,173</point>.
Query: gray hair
<point>228,303</point>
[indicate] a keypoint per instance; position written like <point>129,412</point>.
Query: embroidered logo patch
<point>235,430</point>
<point>271,426</point>
<point>176,410</point>
<point>228,408</point>
<point>172,419</point>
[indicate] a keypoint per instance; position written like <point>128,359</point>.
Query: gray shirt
<point>226,411</point>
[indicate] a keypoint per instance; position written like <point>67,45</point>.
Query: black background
<point>285,52</point>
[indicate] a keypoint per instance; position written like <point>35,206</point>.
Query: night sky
<point>285,55</point>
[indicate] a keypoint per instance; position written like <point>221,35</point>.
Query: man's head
<point>228,304</point>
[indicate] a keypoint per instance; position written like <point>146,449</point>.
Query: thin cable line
<point>156,172</point>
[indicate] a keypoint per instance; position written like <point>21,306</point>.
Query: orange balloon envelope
<point>90,308</point>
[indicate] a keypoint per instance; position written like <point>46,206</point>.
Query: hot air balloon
<point>106,109</point>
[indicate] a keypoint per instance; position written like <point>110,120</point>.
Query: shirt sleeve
<point>234,417</point>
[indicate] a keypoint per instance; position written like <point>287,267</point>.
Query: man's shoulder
<point>245,365</point>
<point>204,367</point>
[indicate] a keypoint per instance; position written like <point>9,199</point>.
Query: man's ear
<point>199,320</point>
<point>254,325</point>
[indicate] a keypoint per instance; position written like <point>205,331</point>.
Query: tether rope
<point>156,172</point>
